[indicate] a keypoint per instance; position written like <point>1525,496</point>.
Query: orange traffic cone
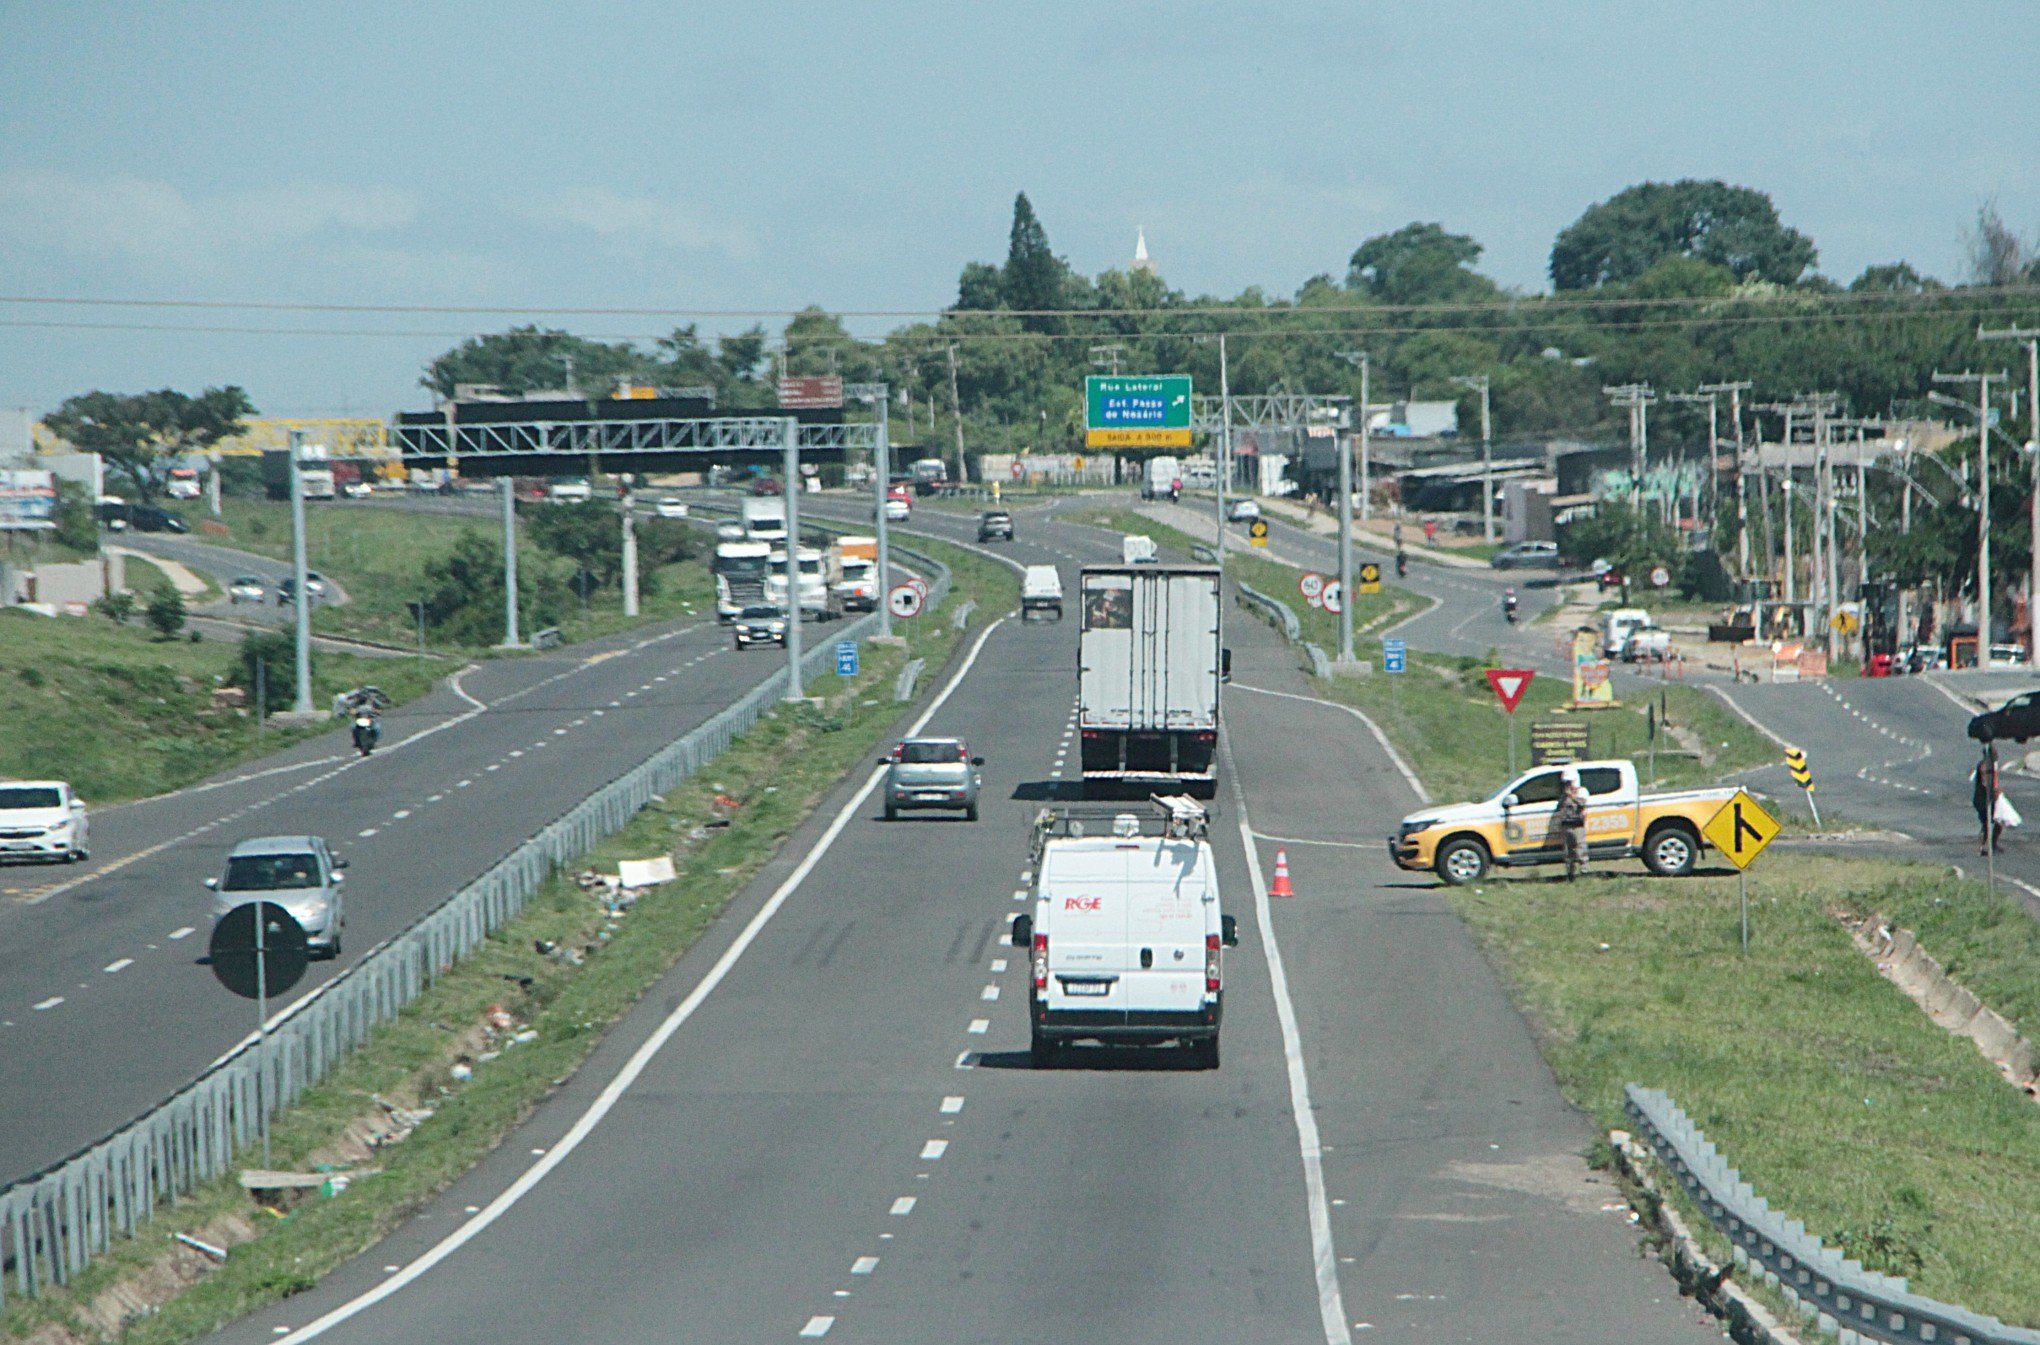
<point>1282,887</point>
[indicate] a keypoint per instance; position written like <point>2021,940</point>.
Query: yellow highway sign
<point>1741,829</point>
<point>1257,532</point>
<point>1370,578</point>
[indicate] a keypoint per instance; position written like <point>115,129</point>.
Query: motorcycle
<point>1402,565</point>
<point>367,733</point>
<point>1509,607</point>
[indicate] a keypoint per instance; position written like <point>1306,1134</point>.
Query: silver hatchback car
<point>931,773</point>
<point>298,873</point>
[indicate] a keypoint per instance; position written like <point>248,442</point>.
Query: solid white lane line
<point>641,1058</point>
<point>121,965</point>
<point>951,1105</point>
<point>1304,840</point>
<point>180,933</point>
<point>1331,1303</point>
<point>903,1206</point>
<point>980,1026</point>
<point>933,1150</point>
<point>52,1002</point>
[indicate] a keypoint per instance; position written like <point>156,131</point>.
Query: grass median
<point>1836,1097</point>
<point>721,826</point>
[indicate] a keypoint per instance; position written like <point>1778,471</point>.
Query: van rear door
<point>1164,928</point>
<point>1084,898</point>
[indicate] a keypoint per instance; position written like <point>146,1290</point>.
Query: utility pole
<point>789,433</point>
<point>1735,391</point>
<point>1359,359</point>
<point>956,412</point>
<point>1634,397</point>
<point>1982,382</point>
<point>1346,594</point>
<point>1712,427</point>
<point>1107,357</point>
<point>510,640</point>
<point>1224,445</point>
<point>1479,383</point>
<point>2031,336</point>
<point>302,702</point>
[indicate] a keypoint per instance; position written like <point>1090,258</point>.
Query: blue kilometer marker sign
<point>1394,656</point>
<point>846,658</point>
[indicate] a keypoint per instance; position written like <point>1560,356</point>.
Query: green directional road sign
<point>1137,411</point>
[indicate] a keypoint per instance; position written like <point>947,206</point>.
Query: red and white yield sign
<point>904,601</point>
<point>1509,685</point>
<point>1311,585</point>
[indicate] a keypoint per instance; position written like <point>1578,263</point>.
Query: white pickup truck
<point>41,819</point>
<point>1461,841</point>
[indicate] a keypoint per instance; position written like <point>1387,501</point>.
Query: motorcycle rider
<point>1402,563</point>
<point>364,705</point>
<point>1509,604</point>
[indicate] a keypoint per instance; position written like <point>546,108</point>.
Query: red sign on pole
<point>1509,685</point>
<point>809,394</point>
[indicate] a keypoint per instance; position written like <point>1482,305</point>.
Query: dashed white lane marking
<point>495,766</point>
<point>980,1026</point>
<point>966,1059</point>
<point>903,1206</point>
<point>998,964</point>
<point>121,965</point>
<point>933,1150</point>
<point>54,1000</point>
<point>517,752</point>
<point>401,813</point>
<point>559,733</point>
<point>989,992</point>
<point>816,1328</point>
<point>951,1105</point>
<point>864,1265</point>
<point>464,784</point>
<point>435,798</point>
<point>181,933</point>
<point>576,724</point>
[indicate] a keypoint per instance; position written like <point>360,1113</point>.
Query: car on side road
<point>356,489</point>
<point>671,507</point>
<point>931,773</point>
<point>2017,719</point>
<point>42,820</point>
<point>898,505</point>
<point>1527,555</point>
<point>248,588</point>
<point>1460,842</point>
<point>153,518</point>
<point>760,623</point>
<point>571,490</point>
<point>299,873</point>
<point>1242,511</point>
<point>995,525</point>
<point>286,588</point>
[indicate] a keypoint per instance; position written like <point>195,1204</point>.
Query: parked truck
<point>740,577</point>
<point>764,518</point>
<point>1460,842</point>
<point>853,573</point>
<point>1150,659</point>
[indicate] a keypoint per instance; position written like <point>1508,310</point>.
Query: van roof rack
<point>1163,816</point>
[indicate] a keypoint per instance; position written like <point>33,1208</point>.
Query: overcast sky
<point>768,155</point>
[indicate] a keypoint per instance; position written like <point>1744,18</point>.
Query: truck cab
<point>1127,937</point>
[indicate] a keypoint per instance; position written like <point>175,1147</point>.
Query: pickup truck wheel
<point>1204,1053</point>
<point>1044,1052</point>
<point>1671,851</point>
<point>1462,861</point>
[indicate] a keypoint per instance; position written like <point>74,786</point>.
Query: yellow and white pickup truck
<point>1460,842</point>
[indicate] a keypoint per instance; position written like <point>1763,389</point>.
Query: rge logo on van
<point>1081,903</point>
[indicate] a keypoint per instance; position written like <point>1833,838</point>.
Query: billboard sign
<point>1137,411</point>
<point>824,392</point>
<point>28,501</point>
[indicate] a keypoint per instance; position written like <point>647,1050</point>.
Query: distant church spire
<point>1141,260</point>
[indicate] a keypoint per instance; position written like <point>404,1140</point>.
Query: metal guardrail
<point>903,688</point>
<point>1275,608</point>
<point>1320,662</point>
<point>1831,1292</point>
<point>961,617</point>
<point>1200,552</point>
<point>53,1224</point>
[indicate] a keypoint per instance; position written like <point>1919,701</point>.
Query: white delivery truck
<point>814,587</point>
<point>764,518</point>
<point>853,573</point>
<point>1150,659</point>
<point>1127,940</point>
<point>740,577</point>
<point>1041,591</point>
<point>1161,479</point>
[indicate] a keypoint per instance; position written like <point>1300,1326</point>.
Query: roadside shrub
<point>118,606</point>
<point>166,611</point>
<point>276,652</point>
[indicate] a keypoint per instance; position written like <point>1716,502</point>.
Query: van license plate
<point>1087,987</point>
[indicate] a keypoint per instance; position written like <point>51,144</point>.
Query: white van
<point>1618,625</point>
<point>1161,479</point>
<point>1041,591</point>
<point>1137,548</point>
<point>1126,940</point>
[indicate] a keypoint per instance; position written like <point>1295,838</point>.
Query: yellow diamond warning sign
<point>1741,829</point>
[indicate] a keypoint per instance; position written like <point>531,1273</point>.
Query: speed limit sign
<point>1334,597</point>
<point>904,601</point>
<point>1312,586</point>
<point>919,585</point>
<point>1660,576</point>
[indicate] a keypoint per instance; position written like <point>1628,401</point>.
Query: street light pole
<point>628,503</point>
<point>1735,390</point>
<point>510,639</point>
<point>1359,359</point>
<point>1224,444</point>
<point>789,433</point>
<point>1982,382</point>
<point>302,702</point>
<point>1345,452</point>
<point>1479,383</point>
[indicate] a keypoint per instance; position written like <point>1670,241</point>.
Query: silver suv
<point>298,873</point>
<point>931,773</point>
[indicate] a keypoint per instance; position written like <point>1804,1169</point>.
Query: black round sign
<point>284,955</point>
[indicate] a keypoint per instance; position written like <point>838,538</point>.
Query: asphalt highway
<point>823,1124</point>
<point>105,1008</point>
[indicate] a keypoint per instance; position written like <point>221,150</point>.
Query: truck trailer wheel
<point>1462,861</point>
<point>1671,851</point>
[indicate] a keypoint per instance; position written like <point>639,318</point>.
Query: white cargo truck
<point>1127,939</point>
<point>1150,659</point>
<point>814,586</point>
<point>740,577</point>
<point>764,518</point>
